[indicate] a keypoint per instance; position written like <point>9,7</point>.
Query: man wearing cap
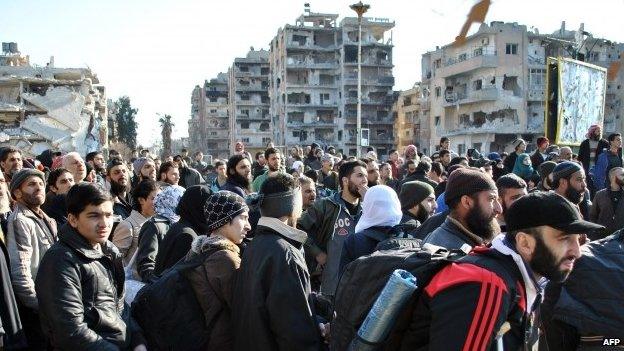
<point>519,146</point>
<point>569,181</point>
<point>417,204</point>
<point>472,197</point>
<point>540,155</point>
<point>30,234</point>
<point>494,292</point>
<point>144,168</point>
<point>271,309</point>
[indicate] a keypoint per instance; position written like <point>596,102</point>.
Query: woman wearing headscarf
<point>381,214</point>
<point>153,231</point>
<point>213,281</point>
<point>180,235</point>
<point>523,167</point>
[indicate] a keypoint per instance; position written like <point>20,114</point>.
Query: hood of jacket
<point>532,287</point>
<point>205,243</point>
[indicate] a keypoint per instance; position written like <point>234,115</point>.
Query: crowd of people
<point>261,243</point>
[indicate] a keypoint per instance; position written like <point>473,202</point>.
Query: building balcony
<point>251,103</point>
<point>457,67</point>
<point>476,96</point>
<point>365,101</point>
<point>312,65</point>
<point>252,88</point>
<point>371,63</point>
<point>291,44</point>
<point>381,81</point>
<point>315,105</point>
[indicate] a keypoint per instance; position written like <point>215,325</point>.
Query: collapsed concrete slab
<point>41,108</point>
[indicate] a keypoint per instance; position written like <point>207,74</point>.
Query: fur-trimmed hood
<point>203,243</point>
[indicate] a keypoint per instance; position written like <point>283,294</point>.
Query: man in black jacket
<point>272,309</point>
<point>489,299</point>
<point>80,287</point>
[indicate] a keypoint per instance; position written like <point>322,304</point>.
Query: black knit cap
<point>565,169</point>
<point>221,207</point>
<point>546,168</point>
<point>413,193</point>
<point>467,181</point>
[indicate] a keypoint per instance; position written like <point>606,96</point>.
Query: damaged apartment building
<point>209,123</point>
<point>410,119</point>
<point>313,82</point>
<point>489,91</point>
<point>50,108</point>
<point>250,121</point>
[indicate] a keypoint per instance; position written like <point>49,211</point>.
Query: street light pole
<point>360,9</point>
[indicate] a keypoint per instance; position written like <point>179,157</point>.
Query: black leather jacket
<point>81,295</point>
<point>151,235</point>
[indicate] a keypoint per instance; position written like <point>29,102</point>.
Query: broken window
<point>264,126</point>
<point>264,71</point>
<point>244,125</point>
<point>323,97</point>
<point>382,56</point>
<point>461,57</point>
<point>244,113</point>
<point>265,113</point>
<point>243,68</point>
<point>537,78</point>
<point>299,39</point>
<point>264,99</point>
<point>296,133</point>
<point>477,84</point>
<point>298,98</point>
<point>407,101</point>
<point>511,83</point>
<point>511,49</point>
<point>326,79</point>
<point>350,53</point>
<point>245,97</point>
<point>478,118</point>
<point>464,120</point>
<point>437,120</point>
<point>324,39</point>
<point>295,117</point>
<point>438,91</point>
<point>478,52</point>
<point>325,116</point>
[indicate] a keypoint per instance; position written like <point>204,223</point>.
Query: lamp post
<point>360,9</point>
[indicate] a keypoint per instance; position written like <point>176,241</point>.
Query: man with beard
<point>117,175</point>
<point>489,299</point>
<point>169,173</point>
<point>96,160</point>
<point>30,234</point>
<point>330,220</point>
<point>239,176</point>
<point>472,198</point>
<point>273,159</point>
<point>74,163</point>
<point>144,168</point>
<point>11,162</point>
<point>591,147</point>
<point>608,208</point>
<point>510,188</point>
<point>417,203</point>
<point>569,181</point>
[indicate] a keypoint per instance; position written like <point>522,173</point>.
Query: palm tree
<point>166,129</point>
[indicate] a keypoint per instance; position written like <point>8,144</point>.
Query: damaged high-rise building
<point>489,91</point>
<point>209,126</point>
<point>250,121</point>
<point>313,82</point>
<point>50,108</point>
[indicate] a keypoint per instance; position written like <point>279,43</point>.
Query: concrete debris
<point>51,108</point>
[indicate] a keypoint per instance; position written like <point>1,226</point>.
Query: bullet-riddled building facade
<point>489,91</point>
<point>313,82</point>
<point>250,120</point>
<point>209,126</point>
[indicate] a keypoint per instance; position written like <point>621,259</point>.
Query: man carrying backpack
<point>271,307</point>
<point>489,299</point>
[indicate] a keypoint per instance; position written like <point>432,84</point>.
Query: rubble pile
<point>44,108</point>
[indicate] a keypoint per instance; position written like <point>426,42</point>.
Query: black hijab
<point>191,207</point>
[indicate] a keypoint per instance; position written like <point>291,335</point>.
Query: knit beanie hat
<point>565,169</point>
<point>22,175</point>
<point>138,164</point>
<point>467,181</point>
<point>221,207</point>
<point>546,168</point>
<point>413,193</point>
<point>517,143</point>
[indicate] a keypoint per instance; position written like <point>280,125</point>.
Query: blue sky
<point>157,51</point>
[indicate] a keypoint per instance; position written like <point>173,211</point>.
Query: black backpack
<point>363,280</point>
<point>168,310</point>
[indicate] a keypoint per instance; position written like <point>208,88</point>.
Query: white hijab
<point>381,208</point>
